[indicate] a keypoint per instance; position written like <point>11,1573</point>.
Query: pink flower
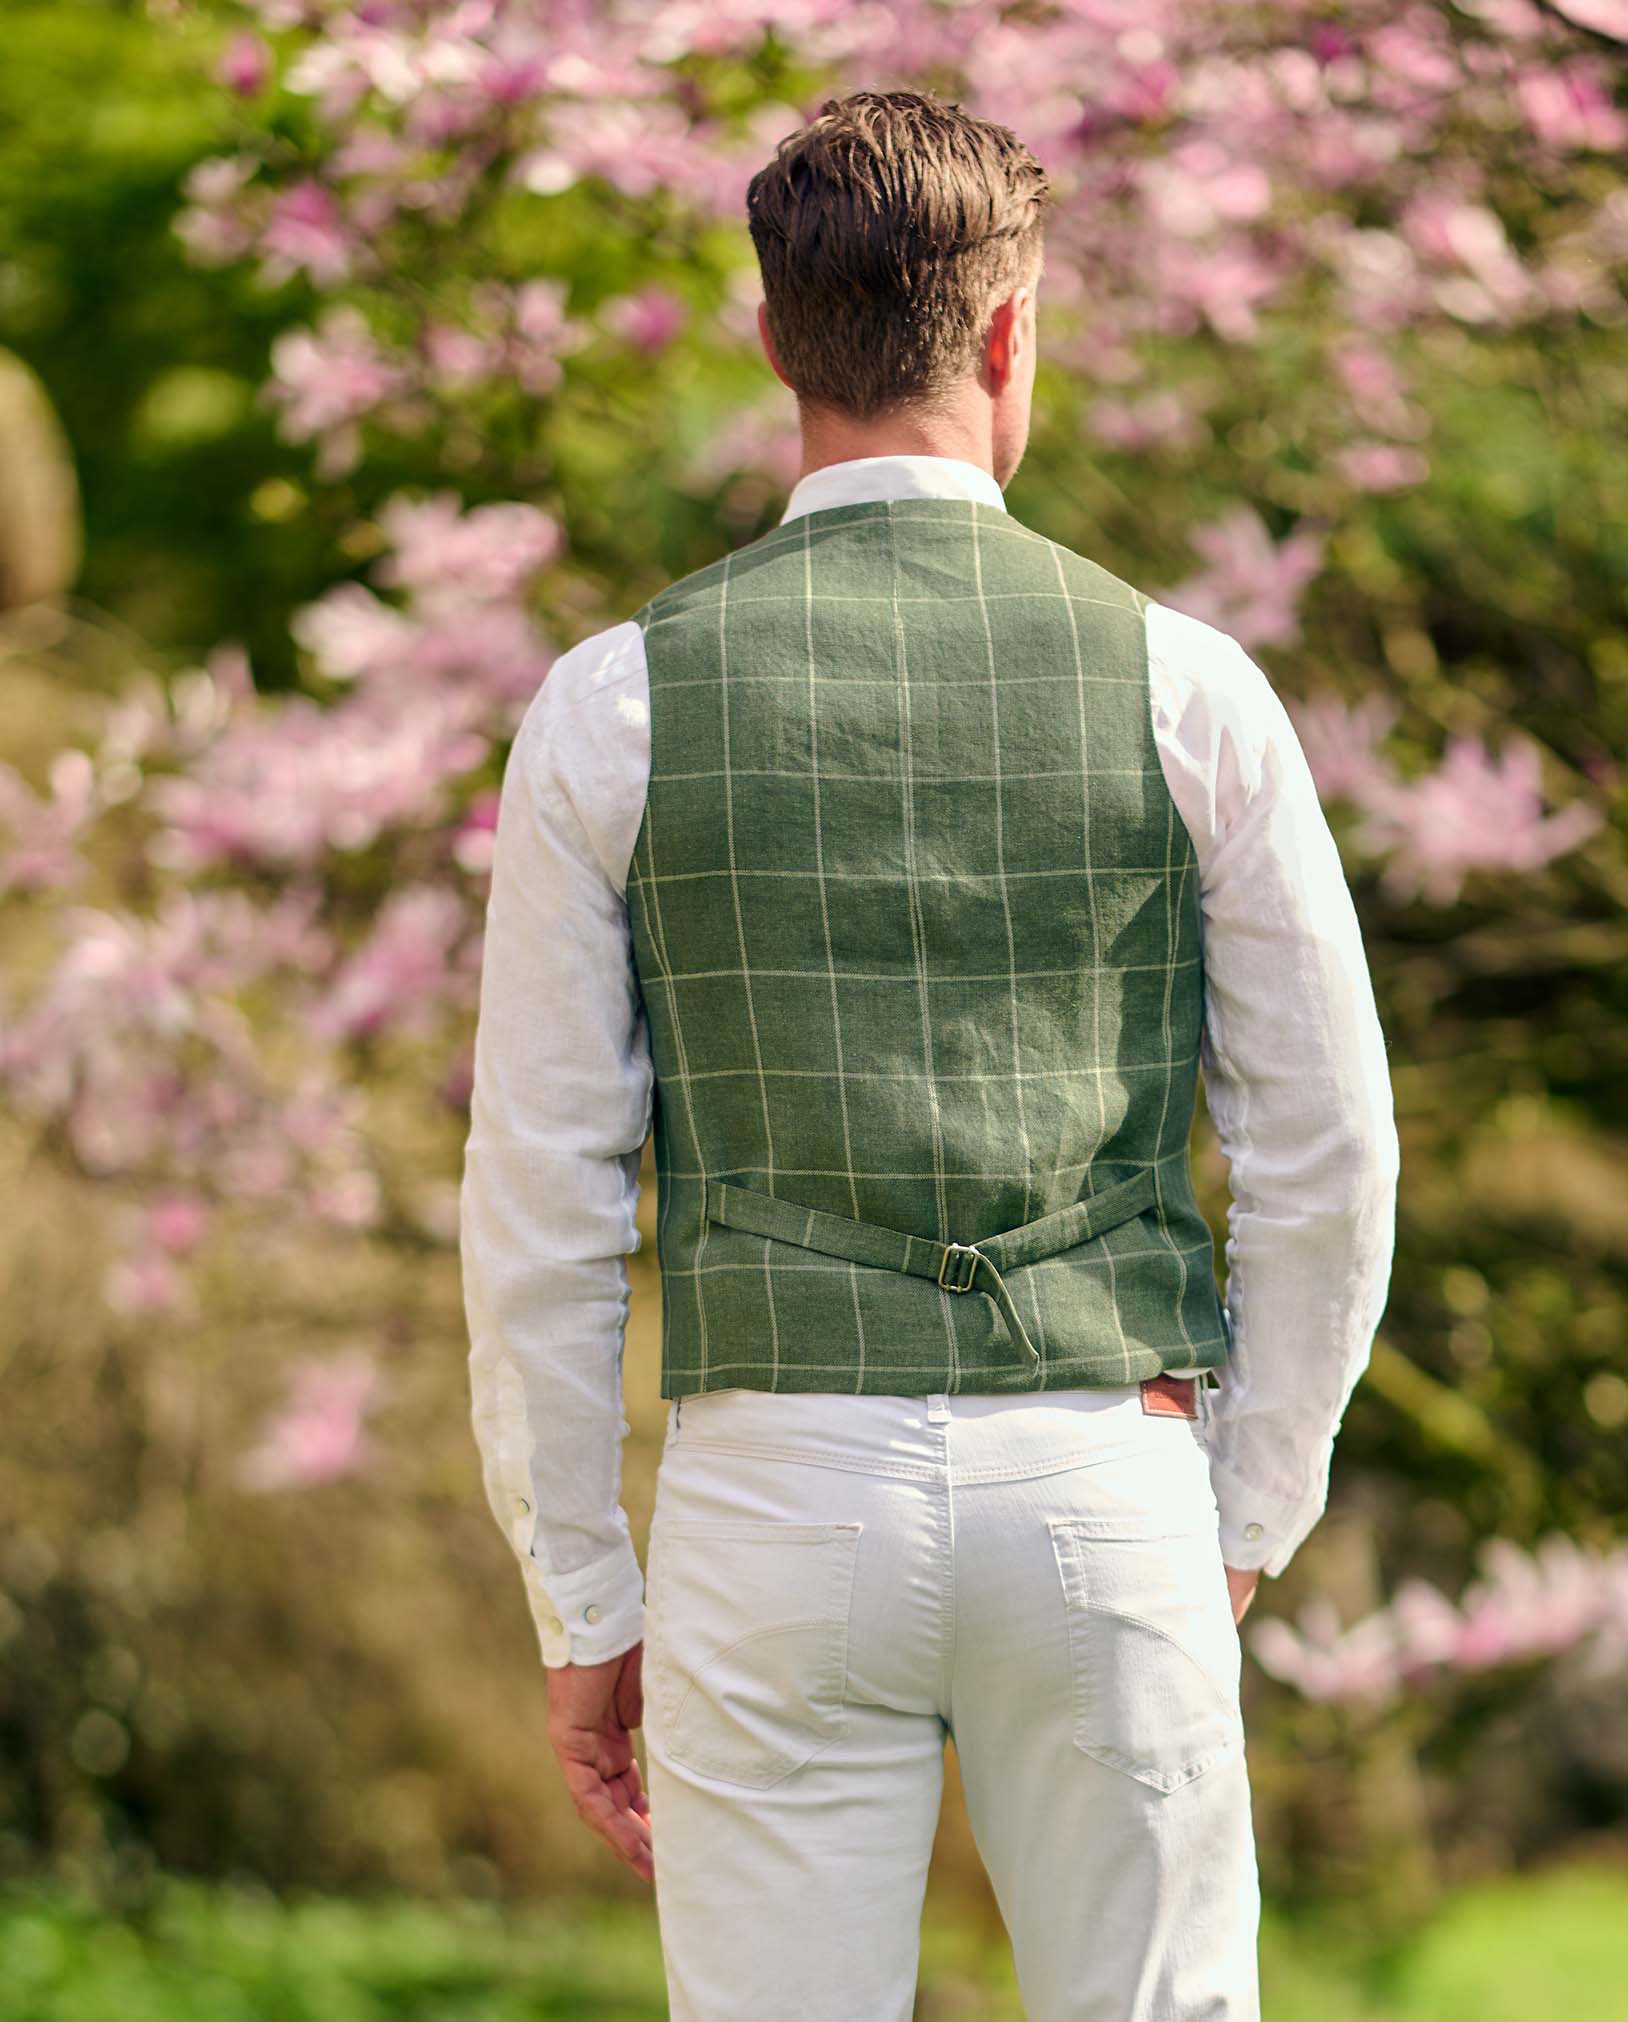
<point>513,82</point>
<point>1604,17</point>
<point>1381,466</point>
<point>1341,743</point>
<point>1325,1661</point>
<point>318,1434</point>
<point>353,633</point>
<point>760,440</point>
<point>176,1221</point>
<point>458,358</point>
<point>1417,49</point>
<point>1528,1605</point>
<point>1428,1626</point>
<point>1380,283</point>
<point>1157,421</point>
<point>1224,285</point>
<point>144,1279</point>
<point>648,320</point>
<point>1378,397</point>
<point>43,856</point>
<point>398,975</point>
<point>144,1283</point>
<point>1492,285</point>
<point>439,550</point>
<point>244,65</point>
<point>350,1200</point>
<point>301,781</point>
<point>1474,812</point>
<point>218,222</point>
<point>307,233</point>
<point>1569,107</point>
<point>476,836</point>
<point>542,335</point>
<point>1201,184</point>
<point>325,378</point>
<point>1329,43</point>
<point>369,150</point>
<point>1253,584</point>
<point>637,148</point>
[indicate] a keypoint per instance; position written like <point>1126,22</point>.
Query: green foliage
<point>1547,1944</point>
<point>152,364</point>
<point>1552,1944</point>
<point>198,1955</point>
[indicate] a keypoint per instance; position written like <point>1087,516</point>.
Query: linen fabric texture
<point>917,932</point>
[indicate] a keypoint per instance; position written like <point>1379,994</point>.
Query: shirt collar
<point>859,478</point>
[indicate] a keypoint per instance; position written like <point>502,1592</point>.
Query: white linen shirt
<point>1293,1057</point>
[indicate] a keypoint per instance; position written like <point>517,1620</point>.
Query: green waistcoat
<point>916,927</point>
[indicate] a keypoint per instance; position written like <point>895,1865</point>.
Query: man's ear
<point>1005,337</point>
<point>768,344</point>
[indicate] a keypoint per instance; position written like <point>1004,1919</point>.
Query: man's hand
<point>1241,1586</point>
<point>592,1710</point>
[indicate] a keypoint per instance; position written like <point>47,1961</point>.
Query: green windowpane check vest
<point>916,927</point>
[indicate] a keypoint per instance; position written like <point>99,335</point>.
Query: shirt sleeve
<point>1297,1083</point>
<point>559,1113</point>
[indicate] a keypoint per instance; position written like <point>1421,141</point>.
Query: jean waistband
<point>994,1435</point>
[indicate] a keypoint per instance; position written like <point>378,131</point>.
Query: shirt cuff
<point>591,1615</point>
<point>1260,1532</point>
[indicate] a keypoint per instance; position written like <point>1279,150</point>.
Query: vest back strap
<point>957,1267</point>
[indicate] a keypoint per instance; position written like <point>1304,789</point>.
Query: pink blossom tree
<point>511,240</point>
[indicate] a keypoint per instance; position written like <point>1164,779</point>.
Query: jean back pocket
<point>1154,1653</point>
<point>746,1642</point>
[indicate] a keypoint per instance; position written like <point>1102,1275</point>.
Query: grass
<point>1549,1944</point>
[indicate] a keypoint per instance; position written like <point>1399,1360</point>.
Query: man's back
<point>917,929</point>
<point>1294,1064</point>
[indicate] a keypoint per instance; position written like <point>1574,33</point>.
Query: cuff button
<point>1252,1530</point>
<point>591,1613</point>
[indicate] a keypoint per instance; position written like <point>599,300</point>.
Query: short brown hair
<point>886,230</point>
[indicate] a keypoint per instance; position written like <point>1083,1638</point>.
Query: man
<point>903,868</point>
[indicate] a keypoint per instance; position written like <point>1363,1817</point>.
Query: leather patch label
<point>1170,1396</point>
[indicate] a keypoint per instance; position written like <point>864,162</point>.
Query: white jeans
<point>833,1584</point>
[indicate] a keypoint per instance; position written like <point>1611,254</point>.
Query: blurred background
<point>354,361</point>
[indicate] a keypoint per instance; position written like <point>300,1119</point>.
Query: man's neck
<point>827,440</point>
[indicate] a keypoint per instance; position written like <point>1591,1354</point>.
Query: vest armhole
<point>1143,601</point>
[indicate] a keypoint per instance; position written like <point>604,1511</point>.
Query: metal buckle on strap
<point>956,1282</point>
